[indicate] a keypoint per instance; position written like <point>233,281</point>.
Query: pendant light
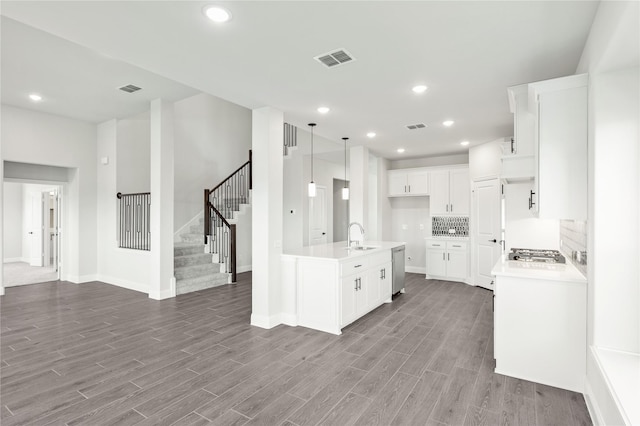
<point>312,184</point>
<point>345,190</point>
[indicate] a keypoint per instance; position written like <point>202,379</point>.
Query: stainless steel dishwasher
<point>397,260</point>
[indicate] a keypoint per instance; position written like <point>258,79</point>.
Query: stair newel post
<point>250,169</point>
<point>232,254</point>
<point>207,215</point>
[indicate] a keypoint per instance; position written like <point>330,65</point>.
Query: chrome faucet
<point>349,233</point>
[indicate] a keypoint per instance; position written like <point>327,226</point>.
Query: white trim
<point>129,285</point>
<point>415,269</point>
<point>592,405</point>
<point>165,294</point>
<point>80,279</point>
<point>263,321</point>
<point>15,259</point>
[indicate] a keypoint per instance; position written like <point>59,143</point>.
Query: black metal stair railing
<point>220,203</point>
<point>134,221</point>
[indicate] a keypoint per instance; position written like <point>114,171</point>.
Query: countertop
<point>543,271</point>
<point>338,251</point>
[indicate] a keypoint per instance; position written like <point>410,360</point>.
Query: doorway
<point>32,217</point>
<point>340,211</point>
<point>318,217</point>
<point>486,232</point>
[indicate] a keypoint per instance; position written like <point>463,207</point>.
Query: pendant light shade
<point>312,184</point>
<point>345,190</point>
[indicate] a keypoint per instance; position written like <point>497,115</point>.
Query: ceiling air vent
<point>416,126</point>
<point>332,59</point>
<point>130,88</point>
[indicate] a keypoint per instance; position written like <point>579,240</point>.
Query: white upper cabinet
<point>450,192</point>
<point>408,182</point>
<point>559,108</point>
<point>518,153</point>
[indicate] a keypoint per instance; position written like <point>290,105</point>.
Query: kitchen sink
<point>361,248</point>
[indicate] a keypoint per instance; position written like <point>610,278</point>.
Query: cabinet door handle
<point>493,241</point>
<point>436,245</point>
<point>513,150</point>
<point>443,258</point>
<point>447,207</point>
<point>531,203</point>
<point>357,266</point>
<point>356,281</point>
<point>409,188</point>
<point>448,256</point>
<point>456,245</point>
<point>359,283</point>
<point>405,188</point>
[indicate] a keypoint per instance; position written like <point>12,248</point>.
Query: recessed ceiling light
<point>371,134</point>
<point>400,150</point>
<point>217,14</point>
<point>447,123</point>
<point>323,110</point>
<point>419,89</point>
<point>35,97</point>
<point>464,143</point>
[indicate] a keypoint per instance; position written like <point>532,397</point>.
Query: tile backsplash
<point>440,226</point>
<point>573,243</point>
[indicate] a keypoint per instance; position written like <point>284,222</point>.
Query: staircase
<point>194,268</point>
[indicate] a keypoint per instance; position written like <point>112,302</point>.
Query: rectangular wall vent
<point>337,57</point>
<point>416,126</point>
<point>130,88</point>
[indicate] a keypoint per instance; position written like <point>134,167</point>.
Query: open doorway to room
<point>340,211</point>
<point>32,237</point>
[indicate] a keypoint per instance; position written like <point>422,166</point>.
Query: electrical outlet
<point>422,226</point>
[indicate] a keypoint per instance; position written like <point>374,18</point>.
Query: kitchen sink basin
<point>361,248</point>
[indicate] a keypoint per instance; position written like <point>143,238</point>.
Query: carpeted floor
<point>21,273</point>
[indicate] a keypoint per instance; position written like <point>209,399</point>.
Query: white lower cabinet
<point>333,293</point>
<point>539,331</point>
<point>448,260</point>
<point>366,289</point>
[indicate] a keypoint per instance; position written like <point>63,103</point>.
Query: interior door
<point>487,230</point>
<point>35,230</point>
<point>47,210</point>
<point>318,217</point>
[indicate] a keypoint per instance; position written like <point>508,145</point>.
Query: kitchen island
<point>540,312</point>
<point>334,285</point>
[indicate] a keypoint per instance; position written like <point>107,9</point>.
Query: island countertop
<point>339,251</point>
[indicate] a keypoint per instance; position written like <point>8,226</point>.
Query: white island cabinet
<point>335,286</point>
<point>540,312</point>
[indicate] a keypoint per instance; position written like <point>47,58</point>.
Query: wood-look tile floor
<point>95,354</point>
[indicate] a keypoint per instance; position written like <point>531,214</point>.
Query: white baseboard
<point>129,285</point>
<point>592,405</point>
<point>415,269</point>
<point>164,294</point>
<point>80,279</point>
<point>264,321</point>
<point>13,259</point>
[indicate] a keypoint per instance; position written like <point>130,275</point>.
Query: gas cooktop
<point>536,255</point>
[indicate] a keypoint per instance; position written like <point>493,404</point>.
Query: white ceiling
<point>466,52</point>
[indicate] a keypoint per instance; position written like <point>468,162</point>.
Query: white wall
<point>12,222</point>
<point>612,57</point>
<point>443,160</point>
<point>408,215</point>
<point>33,137</point>
<point>212,139</point>
<point>132,151</point>
<point>296,177</point>
<point>122,267</point>
<point>485,160</point>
